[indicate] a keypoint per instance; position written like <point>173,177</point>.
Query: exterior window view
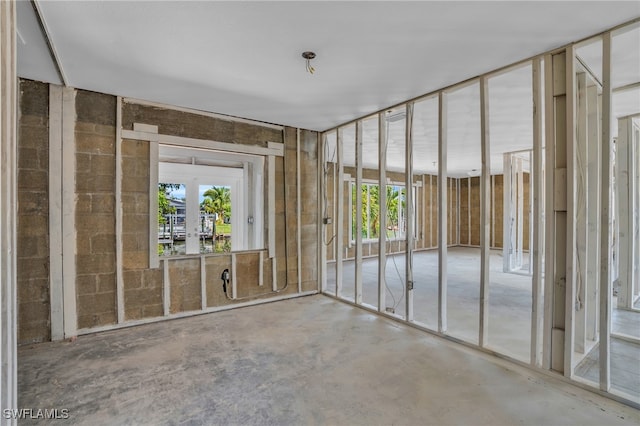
<point>214,212</point>
<point>396,205</point>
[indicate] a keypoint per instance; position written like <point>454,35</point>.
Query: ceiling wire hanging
<point>308,56</point>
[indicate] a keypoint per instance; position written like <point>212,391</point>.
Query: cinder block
<point>104,183</point>
<point>150,311</point>
<point>133,184</point>
<point>83,245</point>
<point>136,260</point>
<point>106,283</point>
<point>30,268</point>
<point>35,135</point>
<point>103,243</point>
<point>95,108</point>
<point>106,318</point>
<point>34,98</point>
<point>33,290</point>
<point>35,332</point>
<point>27,158</point>
<point>94,144</point>
<point>87,320</point>
<point>83,163</point>
<point>105,302</point>
<point>132,313</point>
<point>129,166</point>
<point>88,225</point>
<point>95,263</point>
<point>132,279</point>
<point>86,284</point>
<point>136,223</point>
<point>95,129</point>
<point>153,278</point>
<point>103,165</point>
<point>102,203</point>
<point>32,247</point>
<point>32,179</point>
<point>31,312</point>
<point>134,148</point>
<point>33,202</point>
<point>83,203</point>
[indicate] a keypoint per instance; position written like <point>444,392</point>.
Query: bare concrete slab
<point>312,360</point>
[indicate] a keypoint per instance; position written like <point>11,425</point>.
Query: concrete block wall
<point>184,275</point>
<point>464,208</point>
<point>453,212</point>
<point>470,211</point>
<point>329,230</point>
<point>33,214</point>
<point>428,234</point>
<point>143,286</point>
<point>497,194</point>
<point>474,209</point>
<point>95,209</point>
<point>433,218</point>
<point>527,207</point>
<point>180,123</point>
<point>94,183</point>
<point>186,291</point>
<point>214,266</point>
<point>309,215</point>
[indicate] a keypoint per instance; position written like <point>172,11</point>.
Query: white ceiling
<point>243,58</point>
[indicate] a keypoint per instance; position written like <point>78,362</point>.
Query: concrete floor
<point>509,296</point>
<point>310,360</point>
<point>509,307</point>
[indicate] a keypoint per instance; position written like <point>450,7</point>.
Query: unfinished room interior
<point>320,212</point>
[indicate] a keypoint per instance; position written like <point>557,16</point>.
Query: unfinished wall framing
<point>105,167</point>
<point>551,201</point>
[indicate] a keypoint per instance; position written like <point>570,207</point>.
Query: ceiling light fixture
<point>309,56</point>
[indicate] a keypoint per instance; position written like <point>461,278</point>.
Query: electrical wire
<point>286,239</point>
<point>325,172</point>
<point>383,186</point>
<point>310,69</point>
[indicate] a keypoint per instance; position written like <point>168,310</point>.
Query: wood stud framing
<point>68,210</point>
<point>485,223</point>
<point>549,213</point>
<point>339,223</point>
<point>442,213</point>
<point>570,147</point>
<point>8,208</point>
<point>298,214</point>
<point>322,233</point>
<point>409,213</point>
<point>605,219</point>
<point>56,277</point>
<point>570,172</point>
<point>593,211</point>
<point>382,199</point>
<point>118,217</point>
<point>150,134</point>
<point>358,201</point>
<point>581,214</point>
<point>537,242</point>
